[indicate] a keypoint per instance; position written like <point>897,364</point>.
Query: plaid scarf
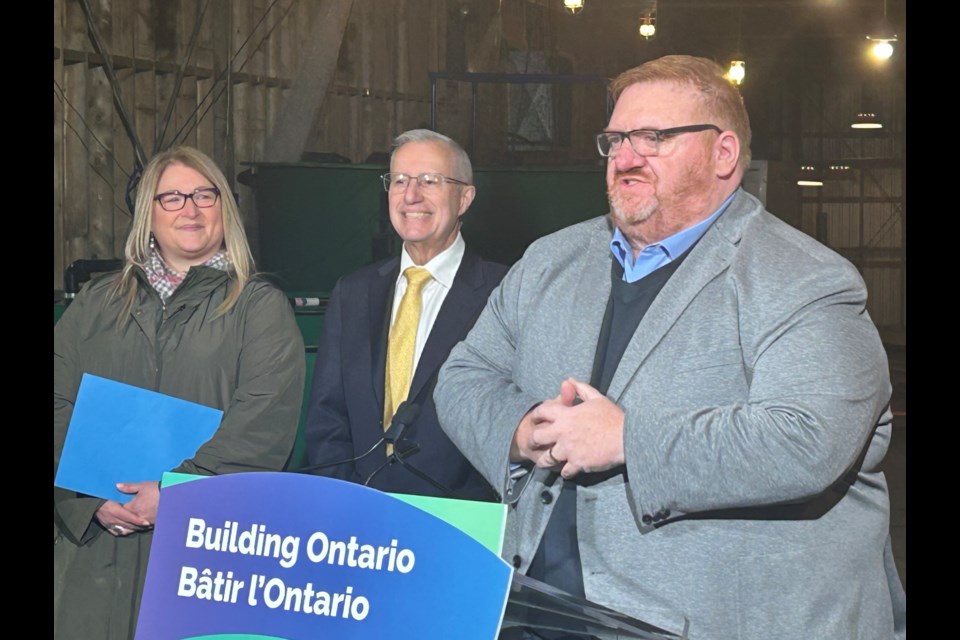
<point>165,280</point>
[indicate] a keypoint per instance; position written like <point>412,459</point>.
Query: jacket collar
<point>708,259</point>
<point>196,286</point>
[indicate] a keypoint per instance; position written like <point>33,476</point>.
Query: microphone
<point>394,435</point>
<point>406,413</point>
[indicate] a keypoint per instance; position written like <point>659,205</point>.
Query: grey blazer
<point>756,398</point>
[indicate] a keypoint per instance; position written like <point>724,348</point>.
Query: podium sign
<point>295,557</point>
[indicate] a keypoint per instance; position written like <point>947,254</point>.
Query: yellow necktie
<point>402,344</point>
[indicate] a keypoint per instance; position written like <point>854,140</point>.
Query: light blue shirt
<point>658,254</point>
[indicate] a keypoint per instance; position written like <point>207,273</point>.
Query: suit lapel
<point>710,257</point>
<point>460,308</point>
<point>589,296</point>
<point>381,305</point>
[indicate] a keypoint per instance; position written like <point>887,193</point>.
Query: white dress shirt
<point>443,268</point>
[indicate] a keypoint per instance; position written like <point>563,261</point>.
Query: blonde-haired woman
<point>186,317</point>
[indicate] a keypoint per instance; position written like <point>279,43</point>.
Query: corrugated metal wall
<point>860,211</point>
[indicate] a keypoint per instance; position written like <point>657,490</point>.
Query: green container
<point>320,222</point>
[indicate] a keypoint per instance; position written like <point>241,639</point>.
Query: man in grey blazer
<point>694,390</point>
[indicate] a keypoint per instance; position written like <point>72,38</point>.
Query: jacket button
<point>546,497</point>
<point>517,562</point>
<point>647,518</point>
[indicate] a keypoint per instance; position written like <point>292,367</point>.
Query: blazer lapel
<point>589,294</point>
<point>711,256</point>
<point>460,308</point>
<point>381,306</point>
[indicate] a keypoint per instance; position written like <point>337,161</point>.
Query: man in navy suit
<point>429,189</point>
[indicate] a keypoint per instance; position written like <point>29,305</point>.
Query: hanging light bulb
<point>738,68</point>
<point>737,71</point>
<point>882,36</point>
<point>882,49</point>
<point>573,6</point>
<point>648,27</point>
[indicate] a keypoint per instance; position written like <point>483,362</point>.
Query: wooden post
<point>76,194</point>
<point>59,127</point>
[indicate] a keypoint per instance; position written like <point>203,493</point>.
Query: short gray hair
<point>461,161</point>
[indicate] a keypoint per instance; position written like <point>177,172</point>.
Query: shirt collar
<point>166,280</point>
<point>669,248</point>
<point>443,267</point>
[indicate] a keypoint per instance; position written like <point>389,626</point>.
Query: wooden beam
<point>316,70</point>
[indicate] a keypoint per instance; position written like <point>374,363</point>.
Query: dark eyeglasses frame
<point>186,196</point>
<point>660,134</point>
<point>388,179</point>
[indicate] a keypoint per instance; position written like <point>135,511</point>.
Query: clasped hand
<point>137,515</point>
<point>570,436</point>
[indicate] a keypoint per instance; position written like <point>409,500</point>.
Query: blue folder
<point>122,433</point>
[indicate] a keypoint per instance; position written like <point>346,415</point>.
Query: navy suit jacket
<point>345,415</point>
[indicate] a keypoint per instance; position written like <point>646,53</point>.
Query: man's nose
<point>626,158</point>
<point>412,192</point>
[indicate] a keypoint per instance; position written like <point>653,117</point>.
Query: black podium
<point>537,605</point>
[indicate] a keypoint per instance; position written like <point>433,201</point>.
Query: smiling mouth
<point>419,215</point>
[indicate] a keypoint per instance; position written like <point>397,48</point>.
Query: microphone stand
<point>399,457</point>
<point>406,413</point>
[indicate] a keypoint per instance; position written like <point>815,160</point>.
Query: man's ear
<point>467,194</point>
<point>727,150</point>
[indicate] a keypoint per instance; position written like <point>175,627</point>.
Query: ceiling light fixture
<point>648,26</point>
<point>573,6</point>
<point>883,38</point>
<point>738,66</point>
<point>737,71</point>
<point>866,120</point>
<point>882,49</point>
<point>809,177</point>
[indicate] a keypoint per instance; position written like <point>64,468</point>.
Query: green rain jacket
<point>248,363</point>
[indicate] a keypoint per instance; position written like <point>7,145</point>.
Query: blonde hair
<point>137,248</point>
<point>718,96</point>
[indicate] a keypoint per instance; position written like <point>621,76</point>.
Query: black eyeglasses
<point>204,198</point>
<point>645,142</point>
<point>426,181</point>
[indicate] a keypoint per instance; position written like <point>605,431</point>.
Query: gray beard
<point>626,217</point>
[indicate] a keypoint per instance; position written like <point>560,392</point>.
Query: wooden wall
<point>381,86</point>
<point>230,89</point>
